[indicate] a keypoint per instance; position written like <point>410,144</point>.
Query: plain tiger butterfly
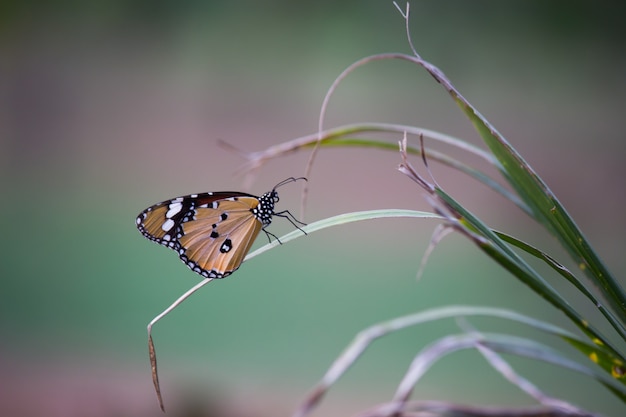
<point>212,233</point>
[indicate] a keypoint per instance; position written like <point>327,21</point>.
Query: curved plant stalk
<point>499,343</point>
<point>506,370</point>
<point>342,136</point>
<point>310,228</point>
<point>339,220</point>
<point>257,159</point>
<point>366,337</point>
<point>446,409</point>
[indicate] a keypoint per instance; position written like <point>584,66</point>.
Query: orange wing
<point>217,244</point>
<point>212,232</point>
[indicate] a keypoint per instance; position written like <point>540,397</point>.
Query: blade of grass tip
<point>155,372</point>
<point>441,231</point>
<point>569,276</point>
<point>152,350</point>
<point>529,348</point>
<point>507,371</point>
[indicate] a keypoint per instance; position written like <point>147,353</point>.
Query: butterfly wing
<point>220,241</point>
<point>211,232</point>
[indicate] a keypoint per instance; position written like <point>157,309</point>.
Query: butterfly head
<point>265,209</point>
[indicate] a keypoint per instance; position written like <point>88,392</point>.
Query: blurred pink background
<point>109,107</point>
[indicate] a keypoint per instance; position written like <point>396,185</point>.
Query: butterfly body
<point>211,232</point>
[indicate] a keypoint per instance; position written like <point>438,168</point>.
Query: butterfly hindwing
<point>211,232</point>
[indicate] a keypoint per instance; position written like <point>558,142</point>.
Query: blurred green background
<point>108,107</point>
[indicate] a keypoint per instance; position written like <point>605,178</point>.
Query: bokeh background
<point>107,107</point>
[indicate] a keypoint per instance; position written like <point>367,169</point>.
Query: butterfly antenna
<point>287,181</point>
<point>151,349</point>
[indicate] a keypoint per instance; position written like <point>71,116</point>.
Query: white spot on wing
<point>167,225</point>
<point>175,208</point>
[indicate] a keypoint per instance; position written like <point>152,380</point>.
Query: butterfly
<point>212,232</point>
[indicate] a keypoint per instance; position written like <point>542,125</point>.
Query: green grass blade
<point>533,191</point>
<point>569,276</point>
<point>549,211</point>
<point>503,344</point>
<point>499,251</point>
<point>342,136</point>
<point>342,219</point>
<point>368,336</point>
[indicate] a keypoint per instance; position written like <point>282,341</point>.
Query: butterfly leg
<point>286,214</point>
<point>268,234</point>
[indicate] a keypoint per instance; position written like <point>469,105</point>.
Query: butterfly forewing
<point>218,239</point>
<point>211,232</point>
